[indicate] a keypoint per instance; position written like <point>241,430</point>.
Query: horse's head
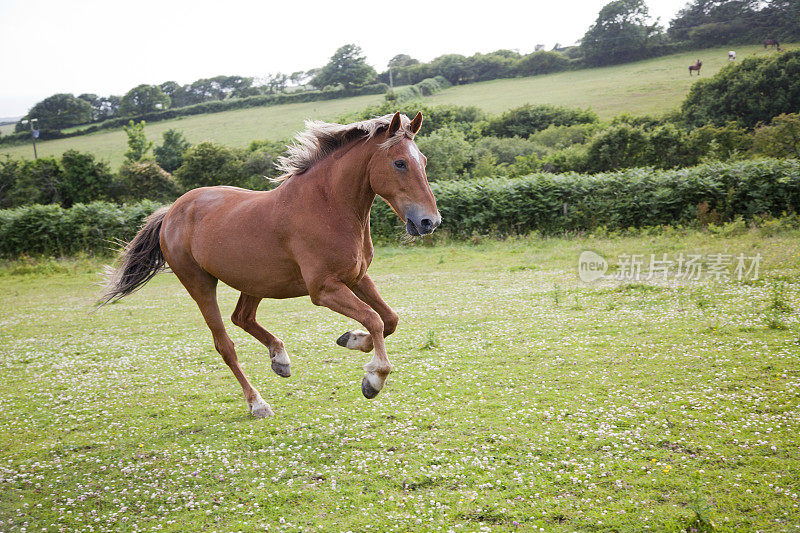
<point>397,173</point>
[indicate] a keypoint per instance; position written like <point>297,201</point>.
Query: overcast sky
<point>109,46</point>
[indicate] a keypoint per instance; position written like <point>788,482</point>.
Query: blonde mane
<point>320,139</point>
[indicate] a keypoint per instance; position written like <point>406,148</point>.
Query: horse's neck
<point>341,181</point>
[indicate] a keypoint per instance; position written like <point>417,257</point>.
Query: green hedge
<point>553,203</point>
<point>548,203</point>
<point>53,230</point>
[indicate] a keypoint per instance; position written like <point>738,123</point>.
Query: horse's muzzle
<point>422,225</point>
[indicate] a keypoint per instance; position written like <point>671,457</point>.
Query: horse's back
<point>231,233</point>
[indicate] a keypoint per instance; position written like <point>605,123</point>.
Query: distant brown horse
<point>772,42</point>
<point>696,67</point>
<point>309,236</point>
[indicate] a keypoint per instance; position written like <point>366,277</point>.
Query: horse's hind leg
<point>368,293</point>
<point>245,317</point>
<point>203,289</point>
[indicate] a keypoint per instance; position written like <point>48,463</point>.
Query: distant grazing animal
<point>772,42</point>
<point>309,236</point>
<point>696,67</point>
<point>731,56</point>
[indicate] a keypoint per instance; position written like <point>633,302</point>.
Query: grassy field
<point>654,86</point>
<point>522,399</point>
<point>234,128</point>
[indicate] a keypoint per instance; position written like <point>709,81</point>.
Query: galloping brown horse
<point>696,67</point>
<point>309,236</point>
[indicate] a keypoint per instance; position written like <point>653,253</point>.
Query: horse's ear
<point>394,125</point>
<point>416,124</point>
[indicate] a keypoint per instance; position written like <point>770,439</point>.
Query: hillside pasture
<point>233,128</point>
<point>655,86</point>
<point>650,87</point>
<point>521,399</point>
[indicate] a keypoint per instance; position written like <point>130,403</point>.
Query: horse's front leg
<point>338,297</point>
<point>368,293</point>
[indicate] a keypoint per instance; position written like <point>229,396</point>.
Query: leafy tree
<point>170,88</point>
<point>716,22</point>
<point>299,77</point>
<point>209,164</point>
<point>621,33</point>
<point>402,60</point>
<point>748,93</point>
<point>93,100</point>
<point>541,62</point>
<point>275,83</point>
<point>143,99</point>
<point>169,155</point>
<point>138,145</point>
<point>83,179</point>
<point>59,111</point>
<point>453,67</point>
<point>348,66</point>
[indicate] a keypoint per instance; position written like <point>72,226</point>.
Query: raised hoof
<point>367,389</point>
<point>342,341</point>
<point>261,409</point>
<point>283,371</point>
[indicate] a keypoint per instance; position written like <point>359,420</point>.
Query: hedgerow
<point>546,203</point>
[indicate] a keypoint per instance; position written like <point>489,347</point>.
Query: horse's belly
<point>256,276</point>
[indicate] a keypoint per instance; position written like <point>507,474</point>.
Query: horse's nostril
<point>426,224</point>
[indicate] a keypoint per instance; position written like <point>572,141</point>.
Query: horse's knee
<point>390,323</point>
<point>240,320</point>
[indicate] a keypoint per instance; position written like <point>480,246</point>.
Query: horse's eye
<point>400,164</point>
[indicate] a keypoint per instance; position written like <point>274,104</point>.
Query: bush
<point>36,182</point>
<point>506,150</point>
<point>528,119</point>
<point>720,143</point>
<point>258,165</point>
<point>169,155</point>
<point>563,136</point>
<point>617,147</point>
<point>83,179</point>
<point>781,138</point>
<point>208,164</point>
<point>146,179</point>
<point>448,153</point>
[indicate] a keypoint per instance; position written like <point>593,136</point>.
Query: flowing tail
<point>138,262</point>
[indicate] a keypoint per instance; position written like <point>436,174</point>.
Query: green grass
<point>521,399</point>
<point>5,129</point>
<point>655,86</point>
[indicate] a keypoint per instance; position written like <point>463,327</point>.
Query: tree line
<point>623,31</point>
